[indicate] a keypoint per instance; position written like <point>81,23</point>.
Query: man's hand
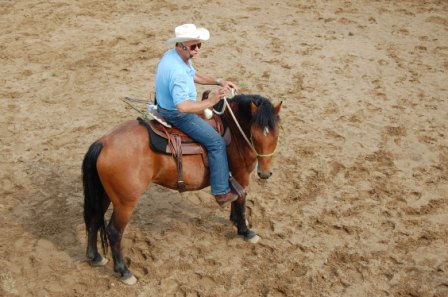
<point>229,85</point>
<point>216,96</point>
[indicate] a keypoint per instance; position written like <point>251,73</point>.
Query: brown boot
<point>226,198</point>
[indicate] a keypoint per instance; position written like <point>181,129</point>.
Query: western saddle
<point>172,141</point>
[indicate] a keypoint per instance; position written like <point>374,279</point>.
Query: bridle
<point>249,142</point>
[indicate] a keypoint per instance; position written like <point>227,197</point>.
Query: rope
<point>127,99</point>
<point>137,100</point>
<point>224,107</point>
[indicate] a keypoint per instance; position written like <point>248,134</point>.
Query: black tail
<point>94,194</point>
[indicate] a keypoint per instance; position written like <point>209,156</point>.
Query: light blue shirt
<point>174,81</point>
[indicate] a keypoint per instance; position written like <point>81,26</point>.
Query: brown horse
<point>118,167</point>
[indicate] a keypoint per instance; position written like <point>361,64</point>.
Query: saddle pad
<point>158,143</point>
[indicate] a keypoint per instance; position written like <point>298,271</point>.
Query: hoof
<point>130,280</point>
<point>99,262</point>
<point>251,236</point>
<point>254,239</point>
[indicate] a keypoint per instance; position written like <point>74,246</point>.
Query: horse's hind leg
<point>115,228</point>
<point>238,218</point>
<point>92,237</point>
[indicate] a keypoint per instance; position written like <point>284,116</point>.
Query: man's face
<point>193,48</point>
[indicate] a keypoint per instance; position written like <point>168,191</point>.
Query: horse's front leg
<point>238,218</point>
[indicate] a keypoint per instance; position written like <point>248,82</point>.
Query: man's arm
<point>203,79</point>
<point>198,106</point>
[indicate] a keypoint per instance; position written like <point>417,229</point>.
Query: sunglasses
<point>194,46</point>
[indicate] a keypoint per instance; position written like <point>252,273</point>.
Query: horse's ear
<point>277,107</point>
<point>253,108</point>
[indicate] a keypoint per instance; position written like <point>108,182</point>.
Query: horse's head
<point>264,132</point>
<point>257,121</point>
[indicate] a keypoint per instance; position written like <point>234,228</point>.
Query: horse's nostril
<point>264,175</point>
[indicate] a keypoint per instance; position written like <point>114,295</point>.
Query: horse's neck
<point>238,142</point>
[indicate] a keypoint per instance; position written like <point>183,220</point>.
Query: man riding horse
<point>176,99</point>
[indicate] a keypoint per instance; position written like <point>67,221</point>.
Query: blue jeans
<point>200,131</point>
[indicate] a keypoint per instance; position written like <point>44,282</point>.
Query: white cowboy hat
<point>188,32</point>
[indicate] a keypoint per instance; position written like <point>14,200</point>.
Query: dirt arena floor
<point>357,205</point>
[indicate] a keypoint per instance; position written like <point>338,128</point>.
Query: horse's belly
<point>195,175</point>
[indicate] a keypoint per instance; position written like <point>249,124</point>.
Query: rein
<point>249,142</point>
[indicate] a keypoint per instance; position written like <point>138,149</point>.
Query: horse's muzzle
<point>265,175</point>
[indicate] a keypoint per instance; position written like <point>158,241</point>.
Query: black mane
<point>265,116</point>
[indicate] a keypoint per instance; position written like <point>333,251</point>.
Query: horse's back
<point>124,141</point>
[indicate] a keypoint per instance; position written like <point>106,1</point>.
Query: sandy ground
<point>357,205</point>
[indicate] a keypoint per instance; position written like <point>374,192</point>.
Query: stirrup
<point>235,186</point>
